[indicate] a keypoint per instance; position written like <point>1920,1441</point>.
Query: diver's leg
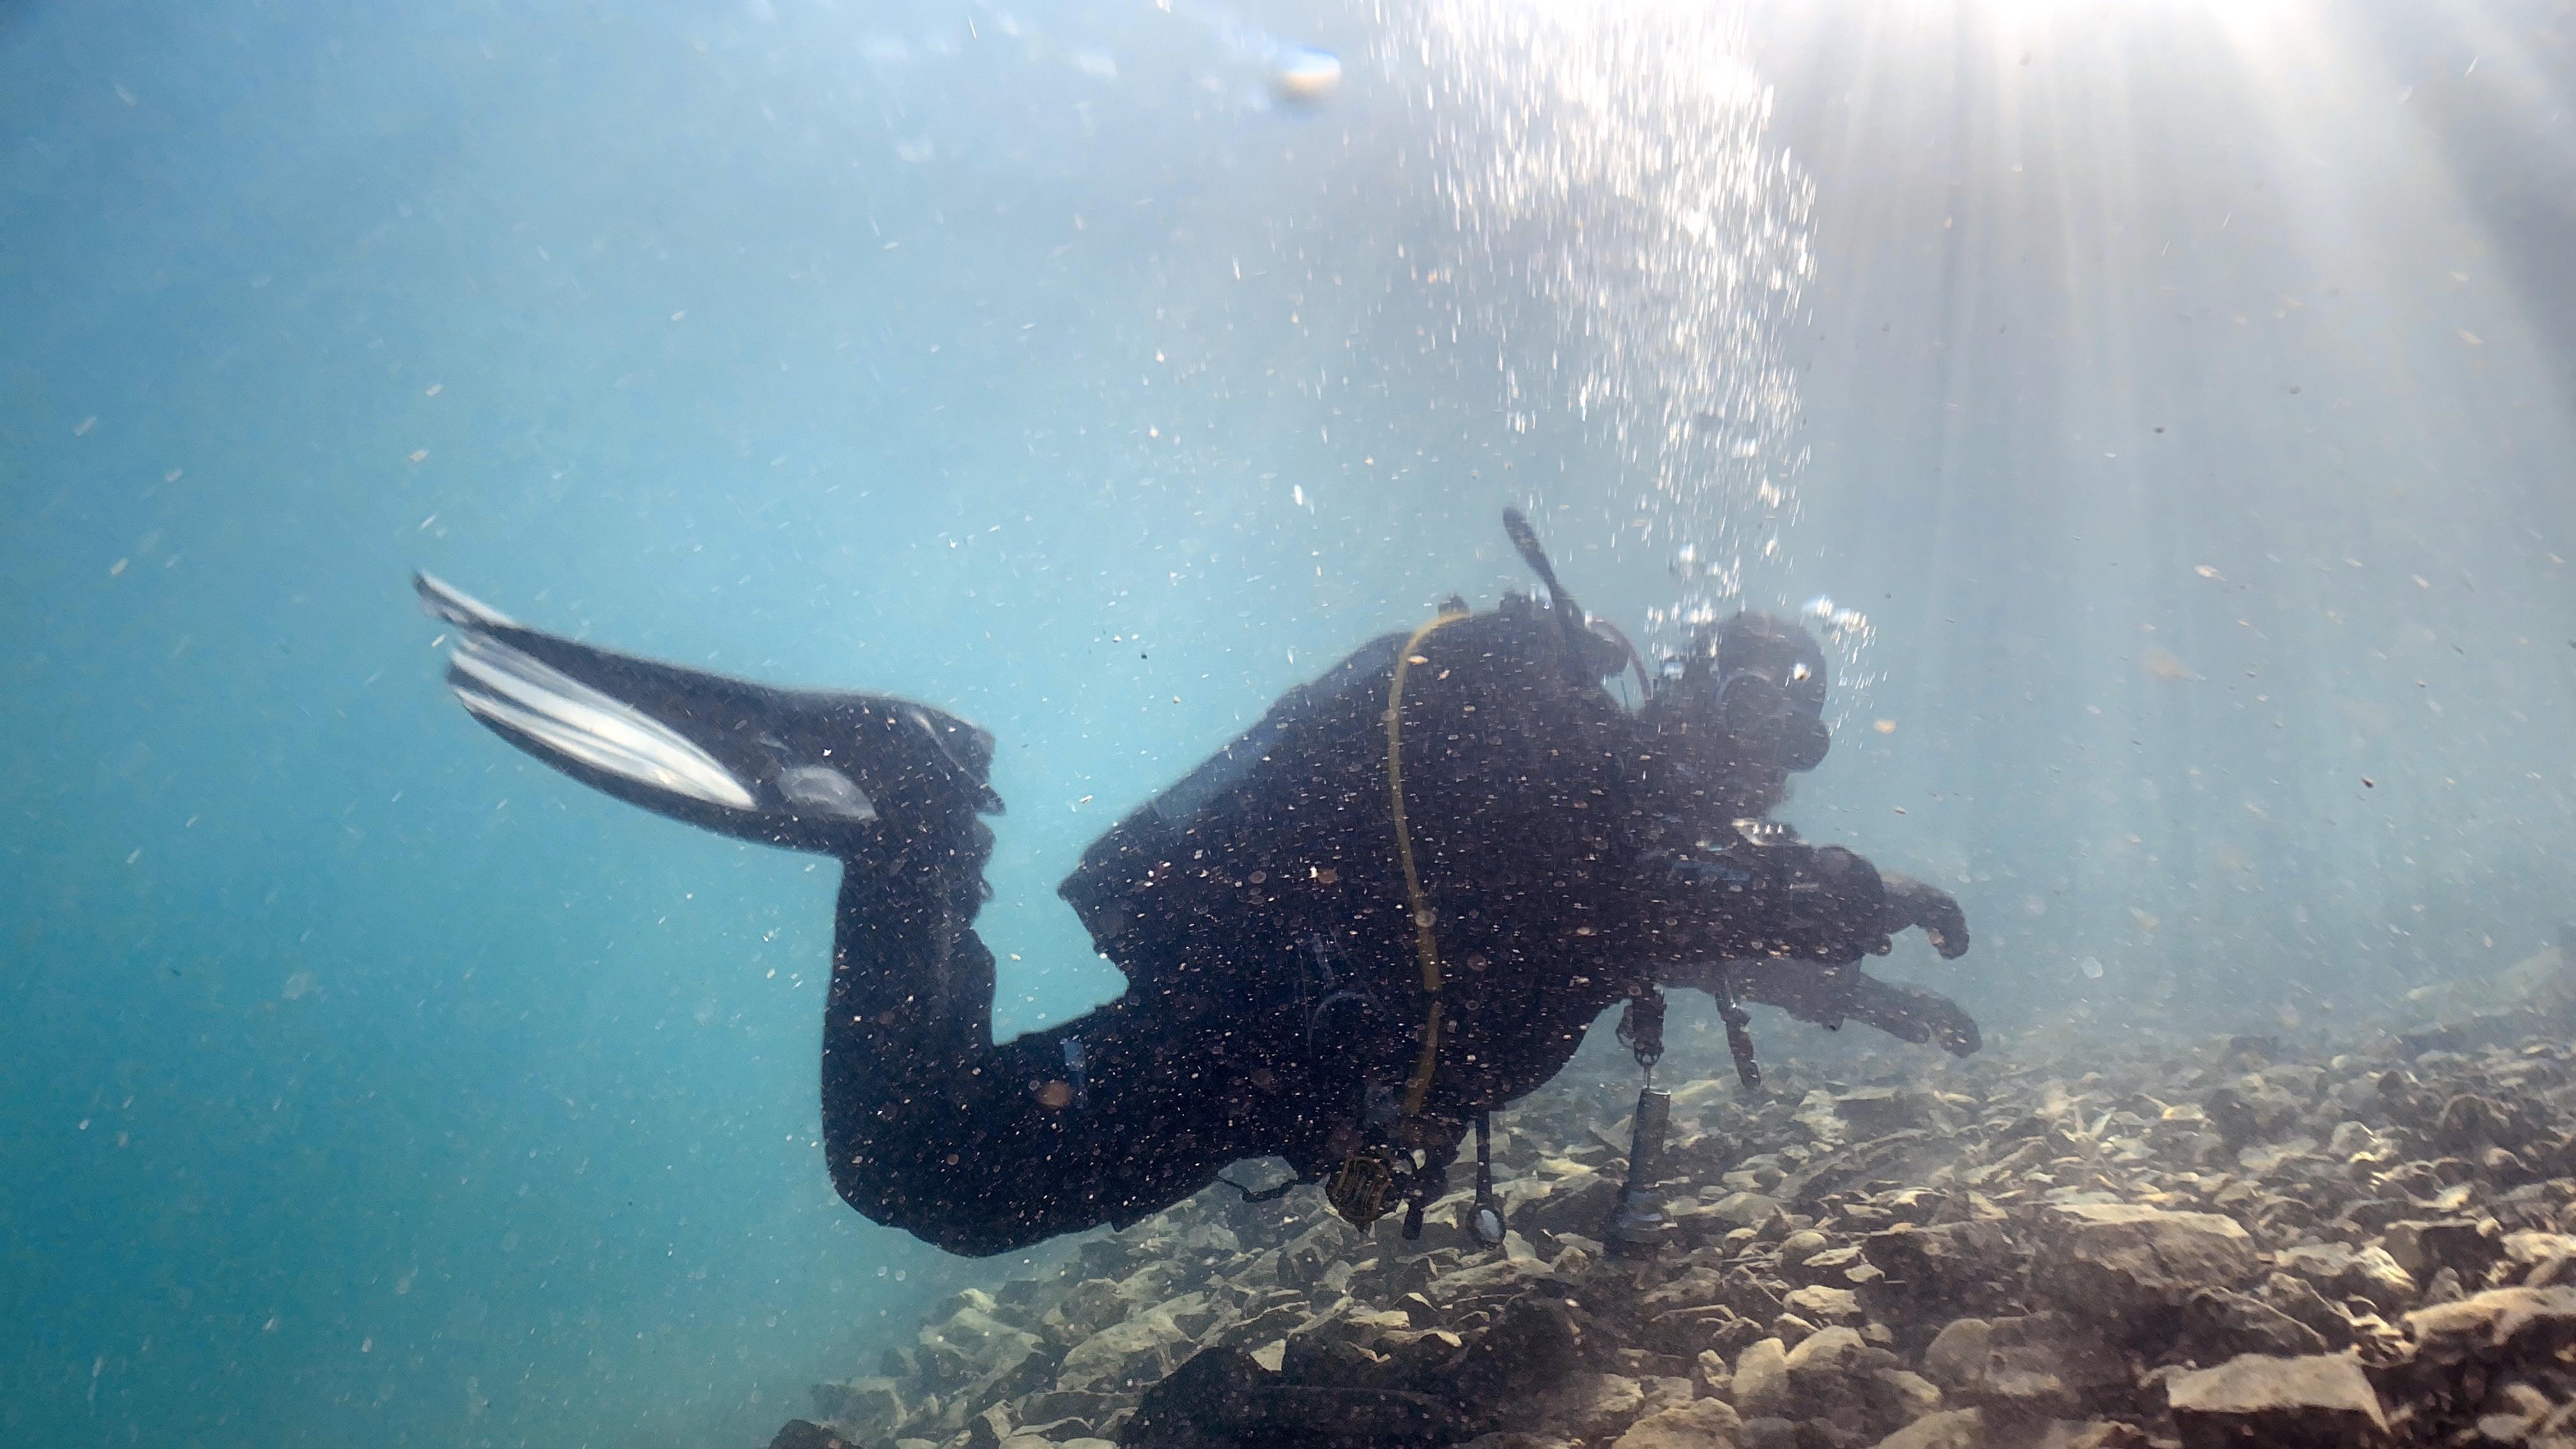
<point>980,1148</point>
<point>1911,1013</point>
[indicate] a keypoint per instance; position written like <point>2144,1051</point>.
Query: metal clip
<point>1074,1062</point>
<point>1485,1225</point>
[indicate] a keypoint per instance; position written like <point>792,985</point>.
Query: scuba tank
<point>1285,831</point>
<point>1182,867</point>
<point>1258,904</point>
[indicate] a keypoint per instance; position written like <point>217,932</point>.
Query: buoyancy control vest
<point>1259,900</point>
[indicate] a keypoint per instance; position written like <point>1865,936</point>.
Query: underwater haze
<point>2163,409</point>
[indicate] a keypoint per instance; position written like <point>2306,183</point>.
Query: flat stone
<point>1056,1405</point>
<point>1275,1322</point>
<point>805,1434</point>
<point>2218,1325</point>
<point>1573,1205</point>
<point>1533,1347</point>
<point>1819,1304</point>
<point>2424,1247</point>
<point>1968,1265</point>
<point>1816,1113</point>
<point>1744,1209</point>
<point>1093,1305</point>
<point>1879,1110</point>
<point>1829,1266</point>
<point>1595,1406</point>
<point>2250,1108</point>
<point>2530,1249</point>
<point>1947,1429</point>
<point>1368,1323</point>
<point>1127,1354</point>
<point>1694,1287</point>
<point>2469,1121</point>
<point>2299,1299</point>
<point>1770,1434</point>
<point>2500,1326</point>
<point>989,1428</point>
<point>2038,1366</point>
<point>2369,1273</point>
<point>2114,1261</point>
<point>2097,1434</point>
<point>1665,1392</point>
<point>1905,1394</point>
<point>2316,1402</point>
<point>867,1406</point>
<point>1711,1377</point>
<point>1505,1277</point>
<point>1701,1424</point>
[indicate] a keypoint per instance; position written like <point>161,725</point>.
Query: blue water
<point>2184,398</point>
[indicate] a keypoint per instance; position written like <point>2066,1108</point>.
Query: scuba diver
<point>1391,906</point>
<point>1744,787</point>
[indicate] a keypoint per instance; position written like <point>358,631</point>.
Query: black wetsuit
<point>1259,914</point>
<point>1257,907</point>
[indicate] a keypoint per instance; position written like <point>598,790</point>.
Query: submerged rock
<point>1952,1429</point>
<point>2505,1326</point>
<point>2369,1273</point>
<point>2124,1261</point>
<point>2035,1367</point>
<point>2145,1244</point>
<point>1705,1424</point>
<point>2218,1325</point>
<point>2317,1402</point>
<point>805,1434</point>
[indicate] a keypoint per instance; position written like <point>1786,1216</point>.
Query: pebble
<point>2151,1243</point>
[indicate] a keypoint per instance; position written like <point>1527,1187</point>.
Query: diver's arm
<point>1831,996</point>
<point>1828,996</point>
<point>1744,900</point>
<point>1911,1013</point>
<point>1911,902</point>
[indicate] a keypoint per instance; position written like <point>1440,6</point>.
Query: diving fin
<point>1581,644</point>
<point>832,772</point>
<point>1525,539</point>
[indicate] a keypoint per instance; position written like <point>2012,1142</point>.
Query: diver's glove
<point>1912,903</point>
<point>1832,995</point>
<point>1787,900</point>
<point>1910,1013</point>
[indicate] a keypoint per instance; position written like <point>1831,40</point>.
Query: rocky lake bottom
<point>2114,1243</point>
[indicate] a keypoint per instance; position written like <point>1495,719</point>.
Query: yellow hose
<point>1426,944</point>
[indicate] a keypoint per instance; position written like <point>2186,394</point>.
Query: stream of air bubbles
<point>1635,244</point>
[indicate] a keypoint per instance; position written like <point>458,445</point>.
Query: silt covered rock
<point>2121,1262</point>
<point>2315,1402</point>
